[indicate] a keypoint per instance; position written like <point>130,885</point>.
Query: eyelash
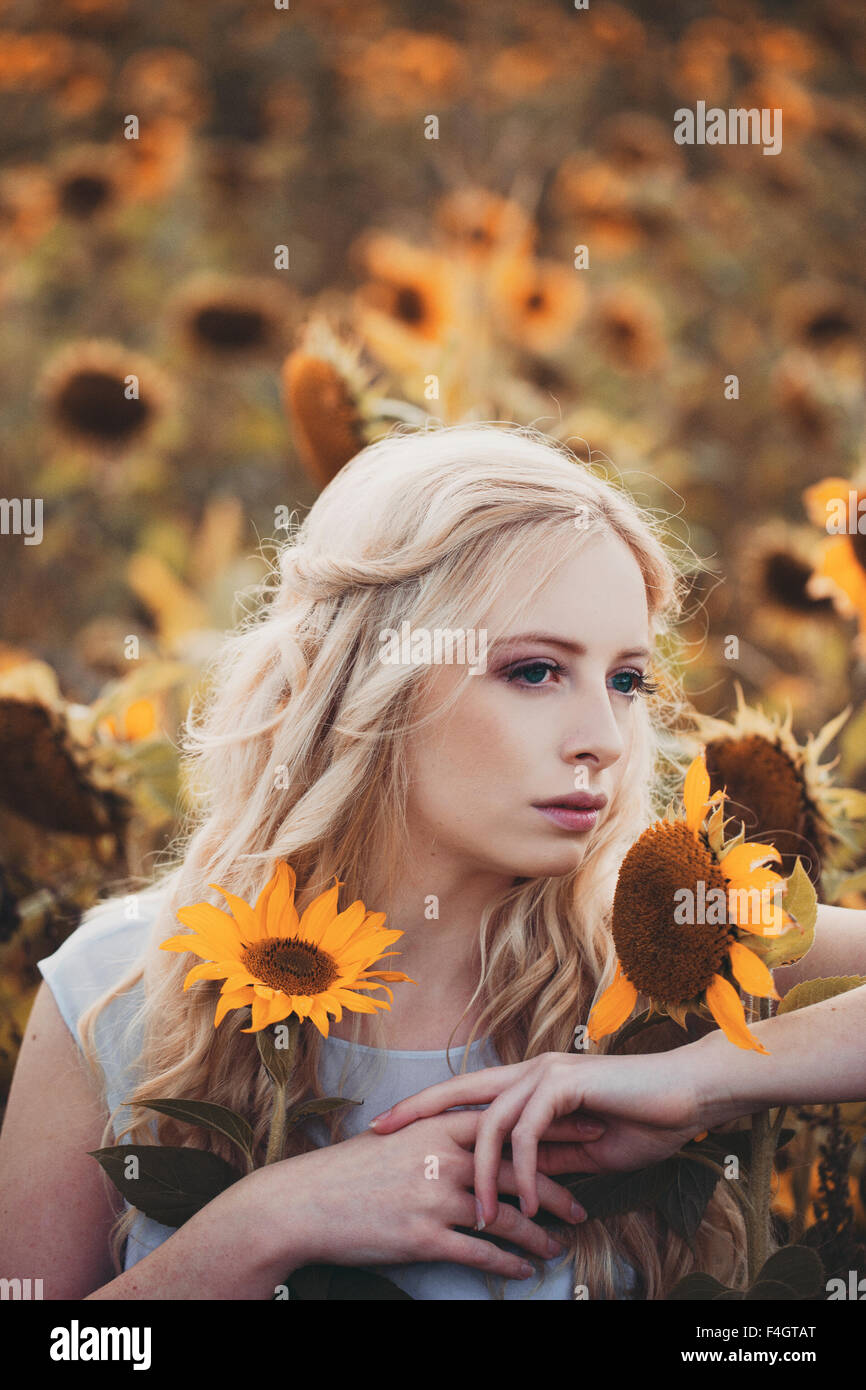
<point>642,686</point>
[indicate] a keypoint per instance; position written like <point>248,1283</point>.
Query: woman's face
<point>553,714</point>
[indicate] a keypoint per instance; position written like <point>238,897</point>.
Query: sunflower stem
<point>760,1179</point>
<point>277,1132</point>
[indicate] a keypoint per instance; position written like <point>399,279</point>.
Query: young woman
<point>425,789</point>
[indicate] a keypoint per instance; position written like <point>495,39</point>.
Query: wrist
<point>712,1070</point>
<point>272,1218</point>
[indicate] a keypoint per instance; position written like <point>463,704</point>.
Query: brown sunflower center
<point>289,964</point>
<point>667,885</point>
<point>767,793</point>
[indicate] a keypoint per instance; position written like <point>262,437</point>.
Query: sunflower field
<point>239,241</point>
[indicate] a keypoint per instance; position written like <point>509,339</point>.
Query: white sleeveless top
<point>101,951</point>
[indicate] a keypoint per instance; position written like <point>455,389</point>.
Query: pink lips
<point>579,811</point>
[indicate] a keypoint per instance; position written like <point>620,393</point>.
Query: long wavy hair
<point>298,751</point>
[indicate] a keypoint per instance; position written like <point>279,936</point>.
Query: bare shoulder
<point>55,1210</point>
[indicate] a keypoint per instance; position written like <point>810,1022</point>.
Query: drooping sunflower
<point>777,787</point>
<point>692,966</point>
<point>279,963</point>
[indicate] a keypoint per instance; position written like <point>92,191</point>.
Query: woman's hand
<point>397,1199</point>
<point>648,1105</point>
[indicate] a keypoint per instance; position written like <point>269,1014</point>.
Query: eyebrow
<point>577,648</point>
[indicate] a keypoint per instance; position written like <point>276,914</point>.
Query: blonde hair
<point>425,525</point>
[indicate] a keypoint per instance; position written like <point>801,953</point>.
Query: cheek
<point>475,753</point>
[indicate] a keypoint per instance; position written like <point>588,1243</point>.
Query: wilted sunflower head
<point>100,394</point>
<point>776,787</point>
<point>324,388</point>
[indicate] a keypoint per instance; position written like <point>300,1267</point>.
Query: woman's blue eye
<point>540,667</point>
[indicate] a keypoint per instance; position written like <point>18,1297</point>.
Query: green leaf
<point>610,1194</point>
<point>698,1287</point>
<point>322,1106</point>
<point>279,1061</point>
<point>210,1116</point>
<point>796,1266</point>
<point>769,1291</point>
<point>814,991</point>
<point>172,1183</point>
<point>683,1203</point>
<point>343,1283</point>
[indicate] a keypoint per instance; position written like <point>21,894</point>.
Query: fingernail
<point>577,1212</point>
<point>523,1206</point>
<point>526,1271</point>
<point>480,1223</point>
<point>377,1118</point>
<point>554,1247</point>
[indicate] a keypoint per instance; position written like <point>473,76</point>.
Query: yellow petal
<point>343,927</point>
<point>268,1011</point>
<point>317,916</point>
<point>282,915</point>
<point>613,1008</point>
<point>242,913</point>
<point>750,972</point>
<point>696,791</point>
<point>189,942</point>
<point>214,926</point>
<point>207,970</point>
<point>236,1000</point>
<point>742,859</point>
<point>726,1007</point>
<point>816,497</point>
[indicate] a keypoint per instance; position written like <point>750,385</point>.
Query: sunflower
<point>410,285</point>
<point>87,391</point>
<point>694,966</point>
<point>537,302</point>
<point>628,329</point>
<point>777,787</point>
<point>281,964</point>
<point>842,569</point>
<point>89,182</point>
<point>480,222</point>
<point>232,317</point>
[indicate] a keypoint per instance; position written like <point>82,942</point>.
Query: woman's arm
<point>839,948</point>
<point>56,1208</point>
<point>816,1054</point>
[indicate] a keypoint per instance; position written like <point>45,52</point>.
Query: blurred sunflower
<point>627,329</point>
<point>281,964</point>
<point>411,285</point>
<point>86,86</point>
<point>537,303</point>
<point>91,400</point>
<point>802,394</point>
<point>89,182</point>
<point>599,199</point>
<point>692,966</point>
<point>229,317</point>
<point>637,145</point>
<point>775,562</point>
<point>841,571</point>
<point>480,223</point>
<point>821,317</point>
<point>777,787</point>
<point>404,70</point>
<point>165,82</point>
<point>701,60</point>
<point>518,70</point>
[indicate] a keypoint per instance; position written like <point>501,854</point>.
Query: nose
<point>594,732</point>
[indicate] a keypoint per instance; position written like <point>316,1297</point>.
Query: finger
<point>537,1114</point>
<point>493,1125</point>
<point>573,1128</point>
<point>473,1088</point>
<point>511,1225</point>
<point>551,1195</point>
<point>481,1254</point>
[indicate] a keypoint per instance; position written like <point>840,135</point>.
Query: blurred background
<point>237,242</point>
